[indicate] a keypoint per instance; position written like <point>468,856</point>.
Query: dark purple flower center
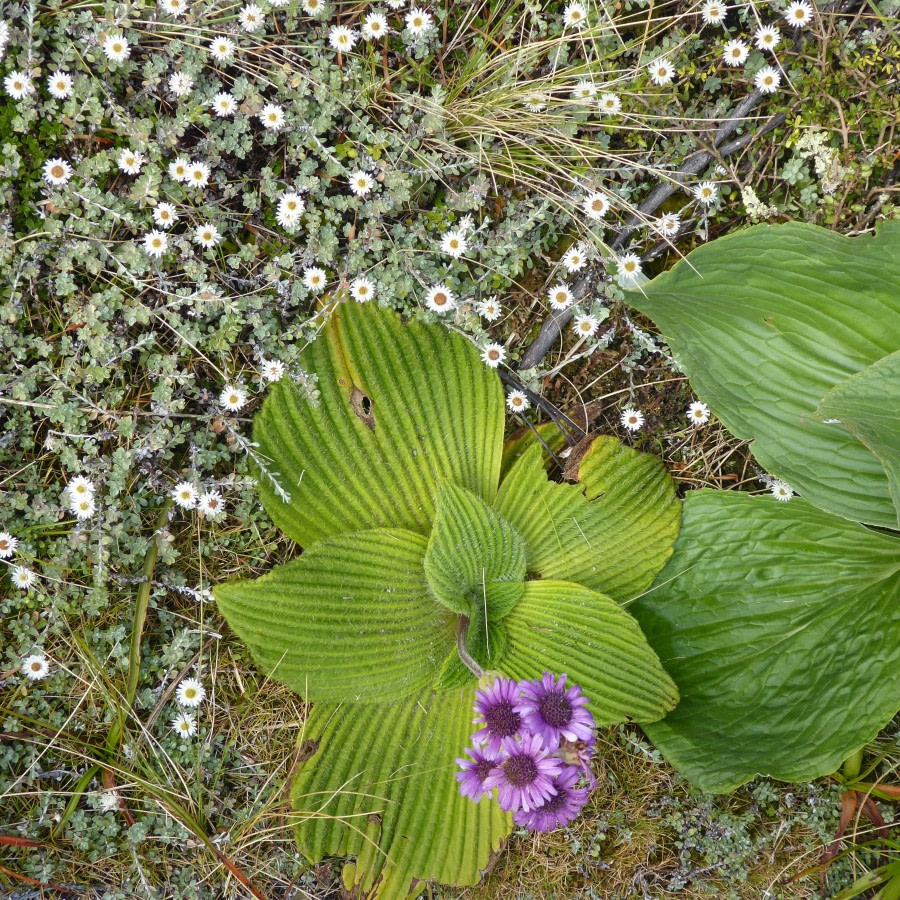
<point>502,719</point>
<point>520,770</point>
<point>556,802</point>
<point>483,768</point>
<point>555,709</point>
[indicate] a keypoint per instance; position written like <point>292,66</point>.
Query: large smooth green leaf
<point>868,403</point>
<point>381,786</point>
<point>765,322</point>
<point>779,623</point>
<point>558,626</point>
<point>351,619</point>
<point>403,408</point>
<point>612,532</point>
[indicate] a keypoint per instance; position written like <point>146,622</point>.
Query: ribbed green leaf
<point>350,619</point>
<point>780,624</point>
<point>612,533</point>
<point>471,547</point>
<point>868,403</point>
<point>558,626</point>
<point>404,407</point>
<point>765,322</point>
<point>381,787</point>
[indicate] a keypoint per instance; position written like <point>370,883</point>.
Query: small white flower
<point>418,21</point>
<point>23,578</point>
<point>706,192</point>
<point>584,90</point>
<point>224,104</point>
<point>185,495</point>
<point>517,401</point>
<point>251,18</point>
<point>575,15</point>
<point>57,171</point>
<point>595,205</point>
<point>197,174</point>
<point>179,169</point>
<point>362,289</point>
<point>767,80</point>
<point>667,225</point>
<point>314,279</point>
<point>207,235</point>
<point>490,310</point>
<point>698,413</point>
<point>107,801</point>
<point>713,12</point>
<point>176,8</point>
<point>80,486</point>
<point>18,85</point>
<point>165,215</point>
<point>535,103</point>
<point>190,693</point>
<point>8,545</point>
<point>734,53</point>
<point>454,243</point>
<point>290,207</point>
<point>116,48</point>
<point>221,48</point>
<point>83,507</point>
<point>180,84</point>
<point>574,259</point>
<point>661,71</point>
<point>493,355</point>
<point>35,668</point>
<point>781,490</point>
<point>632,419</point>
<point>232,398</point>
<point>156,243</point>
<point>130,162</point>
<point>361,183</point>
<point>341,38</point>
<point>272,117</point>
<point>313,7</point>
<point>767,37</point>
<point>440,299</point>
<point>211,504</point>
<point>560,296</point>
<point>585,326</point>
<point>60,85</point>
<point>630,266</point>
<point>798,13</point>
<point>272,370</point>
<point>184,725</point>
<point>375,26</point>
<point>609,104</point>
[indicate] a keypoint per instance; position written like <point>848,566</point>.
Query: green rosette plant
<point>421,568</point>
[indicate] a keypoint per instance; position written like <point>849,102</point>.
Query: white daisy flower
<point>698,413</point>
<point>80,486</point>
<point>418,21</point>
<point>632,418</point>
<point>35,668</point>
<point>609,104</point>
<point>207,235</point>
<point>251,18</point>
<point>23,578</point>
<point>667,225</point>
<point>4,36</point>
<point>130,162</point>
<point>272,117</point>
<point>629,266</point>
<point>454,243</point>
<point>221,48</point>
<point>575,15</point>
<point>185,495</point>
<point>184,725</point>
<point>584,90</point>
<point>734,53</point>
<point>232,398</point>
<point>574,258</point>
<point>661,71</point>
<point>175,8</point>
<point>83,507</point>
<point>361,183</point>
<point>156,243</point>
<point>314,279</point>
<point>272,370</point>
<point>211,504</point>
<point>190,693</point>
<point>517,401</point>
<point>490,310</point>
<point>108,801</point>
<point>585,326</point>
<point>180,84</point>
<point>60,85</point>
<point>116,48</point>
<point>165,215</point>
<point>290,207</point>
<point>596,205</point>
<point>57,171</point>
<point>560,296</point>
<point>767,37</point>
<point>197,174</point>
<point>781,490</point>
<point>440,299</point>
<point>18,85</point>
<point>179,169</point>
<point>798,13</point>
<point>223,104</point>
<point>396,4</point>
<point>341,38</point>
<point>375,26</point>
<point>706,192</point>
<point>713,12</point>
<point>535,103</point>
<point>492,355</point>
<point>313,7</point>
<point>767,80</point>
<point>8,545</point>
<point>362,289</point>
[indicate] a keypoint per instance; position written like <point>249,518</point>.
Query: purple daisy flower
<point>475,771</point>
<point>525,777</point>
<point>496,709</point>
<point>555,712</point>
<point>561,808</point>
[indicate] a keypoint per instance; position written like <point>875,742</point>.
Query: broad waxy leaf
<point>779,624</point>
<point>351,619</point>
<point>382,787</point>
<point>868,403</point>
<point>404,407</point>
<point>765,322</point>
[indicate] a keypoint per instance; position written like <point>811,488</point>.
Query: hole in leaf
<point>363,407</point>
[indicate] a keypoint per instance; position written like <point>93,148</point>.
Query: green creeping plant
<point>415,552</point>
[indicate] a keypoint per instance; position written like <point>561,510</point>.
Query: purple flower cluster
<point>534,745</point>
